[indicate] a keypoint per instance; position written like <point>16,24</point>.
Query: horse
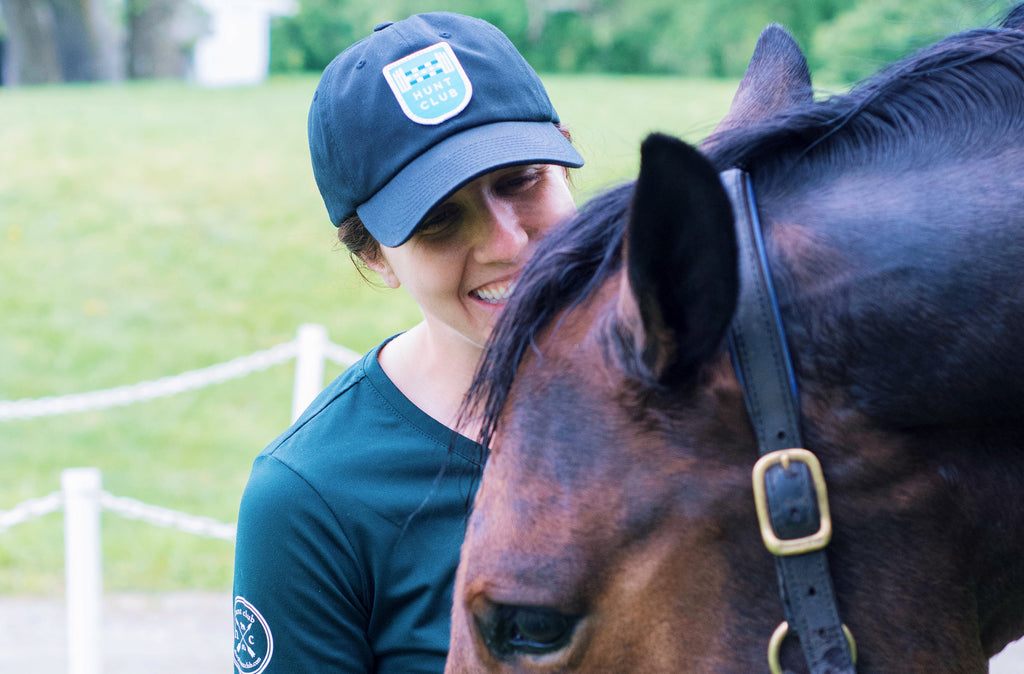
<point>616,526</point>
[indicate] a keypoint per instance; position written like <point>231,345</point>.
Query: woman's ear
<point>379,264</point>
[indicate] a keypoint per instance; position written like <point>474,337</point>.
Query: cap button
<point>382,26</point>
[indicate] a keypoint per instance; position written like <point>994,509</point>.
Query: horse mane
<point>927,103</point>
<point>959,97</point>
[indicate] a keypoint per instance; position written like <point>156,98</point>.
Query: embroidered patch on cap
<point>253,642</point>
<point>430,85</point>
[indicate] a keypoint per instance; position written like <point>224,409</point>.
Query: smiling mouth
<point>494,293</point>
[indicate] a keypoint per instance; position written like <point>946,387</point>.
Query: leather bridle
<point>789,486</point>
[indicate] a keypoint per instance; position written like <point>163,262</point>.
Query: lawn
<point>149,229</point>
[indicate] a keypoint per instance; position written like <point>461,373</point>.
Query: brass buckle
<point>792,546</point>
<point>775,643</point>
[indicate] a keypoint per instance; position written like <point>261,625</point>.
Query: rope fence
<point>30,510</point>
<point>309,349</point>
<point>82,498</point>
<point>147,390</point>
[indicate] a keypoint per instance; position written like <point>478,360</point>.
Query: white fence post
<point>82,567</point>
<point>309,366</point>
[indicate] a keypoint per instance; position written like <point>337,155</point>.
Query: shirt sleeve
<point>301,589</point>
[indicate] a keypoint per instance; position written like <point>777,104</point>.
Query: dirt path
<point>157,634</point>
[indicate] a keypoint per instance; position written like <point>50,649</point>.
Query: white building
<point>236,48</point>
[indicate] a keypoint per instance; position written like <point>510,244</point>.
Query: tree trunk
<point>60,41</point>
<point>162,36</point>
<point>87,46</point>
<point>31,54</point>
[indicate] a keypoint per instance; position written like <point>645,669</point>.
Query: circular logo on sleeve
<point>253,642</point>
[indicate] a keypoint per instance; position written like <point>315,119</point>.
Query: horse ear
<point>777,78</point>
<point>681,278</point>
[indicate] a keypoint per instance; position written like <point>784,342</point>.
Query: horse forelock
<point>960,96</point>
<point>569,265</point>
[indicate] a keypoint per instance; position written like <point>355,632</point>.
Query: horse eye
<point>525,630</point>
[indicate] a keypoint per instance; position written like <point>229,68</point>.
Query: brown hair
<point>362,247</point>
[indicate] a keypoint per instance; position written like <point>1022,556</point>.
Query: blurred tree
<point>843,38</point>
<point>91,40</point>
<point>161,36</point>
<point>693,37</point>
<point>87,40</point>
<point>873,33</point>
<point>59,40</point>
<point>323,28</point>
<point>314,36</point>
<point>31,51</point>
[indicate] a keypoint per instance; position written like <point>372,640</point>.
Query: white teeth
<point>495,293</point>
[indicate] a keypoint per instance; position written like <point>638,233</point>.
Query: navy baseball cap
<point>408,115</point>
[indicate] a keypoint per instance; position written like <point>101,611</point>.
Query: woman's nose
<point>503,237</point>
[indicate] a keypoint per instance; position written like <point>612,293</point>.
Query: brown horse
<point>614,528</point>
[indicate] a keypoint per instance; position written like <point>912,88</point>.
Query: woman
<point>440,159</point>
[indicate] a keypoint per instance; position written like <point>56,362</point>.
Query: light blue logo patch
<point>254,644</point>
<point>430,85</point>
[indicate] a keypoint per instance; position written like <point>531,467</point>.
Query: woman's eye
<point>525,630</point>
<point>437,220</point>
<point>520,181</point>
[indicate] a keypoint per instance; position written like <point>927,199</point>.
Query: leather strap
<point>761,359</point>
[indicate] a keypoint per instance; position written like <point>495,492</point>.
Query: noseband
<point>789,486</point>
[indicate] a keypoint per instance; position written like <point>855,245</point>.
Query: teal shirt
<point>349,535</point>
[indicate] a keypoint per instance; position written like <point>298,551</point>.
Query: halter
<point>789,486</point>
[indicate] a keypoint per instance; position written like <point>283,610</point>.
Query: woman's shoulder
<point>363,416</point>
<point>362,437</point>
<point>349,410</point>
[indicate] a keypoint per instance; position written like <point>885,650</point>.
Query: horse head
<point>615,526</point>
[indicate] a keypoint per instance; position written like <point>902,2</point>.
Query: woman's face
<point>462,263</point>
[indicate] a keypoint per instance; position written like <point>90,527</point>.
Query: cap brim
<point>392,214</point>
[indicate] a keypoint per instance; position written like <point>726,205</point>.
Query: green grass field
<point>150,229</point>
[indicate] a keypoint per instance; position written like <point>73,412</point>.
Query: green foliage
<point>311,39</point>
<point>323,28</point>
<point>858,42</point>
<point>845,39</point>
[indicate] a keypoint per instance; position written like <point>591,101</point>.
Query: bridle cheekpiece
<point>789,485</point>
